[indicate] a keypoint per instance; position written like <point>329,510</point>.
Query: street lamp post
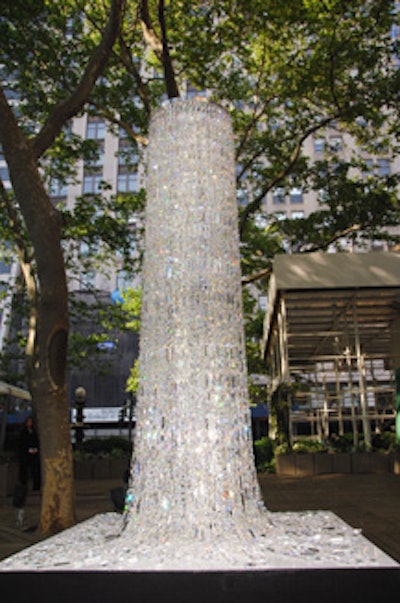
<point>80,399</point>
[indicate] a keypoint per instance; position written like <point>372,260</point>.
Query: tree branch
<point>15,222</point>
<point>69,107</point>
<point>109,116</point>
<point>159,46</point>
<point>126,58</point>
<point>335,237</point>
<point>257,276</point>
<point>169,74</point>
<point>267,271</point>
<point>149,34</point>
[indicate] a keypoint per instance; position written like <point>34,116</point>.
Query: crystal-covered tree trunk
<point>193,470</point>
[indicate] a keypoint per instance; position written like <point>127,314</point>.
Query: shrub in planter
<point>342,443</point>
<point>110,447</point>
<point>385,441</point>
<point>264,454</point>
<point>306,445</point>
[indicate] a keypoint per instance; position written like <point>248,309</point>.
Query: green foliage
<point>385,441</point>
<point>133,306</point>
<point>308,445</point>
<point>264,454</point>
<point>109,447</point>
<point>132,383</point>
<point>380,442</point>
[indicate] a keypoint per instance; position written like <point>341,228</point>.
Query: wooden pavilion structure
<point>332,334</point>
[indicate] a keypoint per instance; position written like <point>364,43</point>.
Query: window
<point>278,196</point>
<point>128,155</point>
<point>368,170</point>
<point>124,280</point>
<point>383,166</point>
<point>128,182</point>
<point>193,92</point>
<point>323,195</point>
<point>87,250</point>
<point>96,130</point>
<point>4,175</point>
<point>319,145</point>
<point>97,161</point>
<point>262,302</point>
<point>91,184</point>
<point>280,215</point>
<point>5,268</point>
<point>336,143</point>
<point>297,215</point>
<point>296,195</point>
<point>260,221</point>
<point>88,279</point>
<point>58,189</point>
<point>242,197</point>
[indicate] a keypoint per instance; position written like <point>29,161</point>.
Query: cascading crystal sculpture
<point>193,473</point>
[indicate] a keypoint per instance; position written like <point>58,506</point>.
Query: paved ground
<point>367,501</point>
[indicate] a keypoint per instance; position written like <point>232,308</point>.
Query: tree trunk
<point>46,357</point>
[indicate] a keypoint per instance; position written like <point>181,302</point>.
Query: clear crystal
<point>193,471</point>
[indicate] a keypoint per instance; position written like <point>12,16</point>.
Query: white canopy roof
<point>327,296</point>
<point>13,390</point>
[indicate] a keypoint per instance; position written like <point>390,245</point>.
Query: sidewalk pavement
<point>367,501</point>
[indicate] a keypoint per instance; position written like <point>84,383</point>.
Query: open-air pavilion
<point>332,334</point>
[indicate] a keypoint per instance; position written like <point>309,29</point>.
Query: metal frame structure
<point>333,328</point>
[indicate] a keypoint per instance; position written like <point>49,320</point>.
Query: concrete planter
<point>361,462</point>
<point>286,464</point>
<point>380,463</point>
<point>297,464</point>
<point>305,465</point>
<point>323,463</point>
<point>341,462</point>
<point>100,468</point>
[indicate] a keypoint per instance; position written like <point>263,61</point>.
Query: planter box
<point>286,464</point>
<point>323,463</point>
<point>83,469</point>
<point>361,462</point>
<point>305,464</point>
<point>295,464</point>
<point>341,462</point>
<point>315,463</point>
<point>118,468</point>
<point>379,463</point>
<point>101,468</point>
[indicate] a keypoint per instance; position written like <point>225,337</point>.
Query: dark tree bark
<point>46,358</point>
<point>47,342</point>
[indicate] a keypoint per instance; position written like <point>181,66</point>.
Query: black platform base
<point>272,586</point>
